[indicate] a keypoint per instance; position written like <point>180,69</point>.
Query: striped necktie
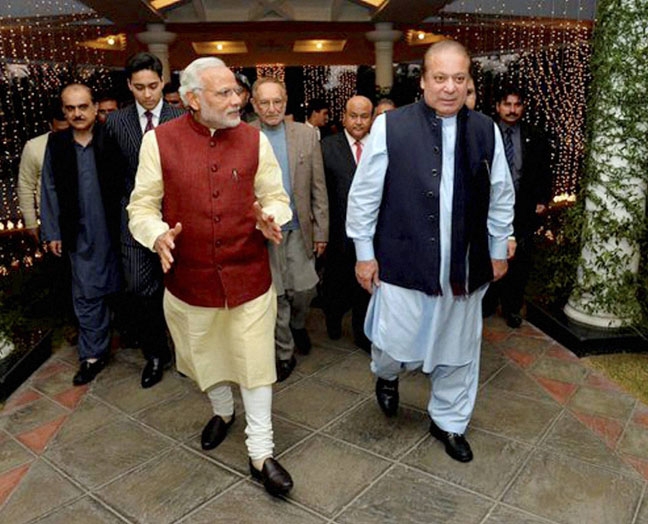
<point>509,150</point>
<point>149,121</point>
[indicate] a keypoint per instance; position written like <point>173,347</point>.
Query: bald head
<point>357,116</point>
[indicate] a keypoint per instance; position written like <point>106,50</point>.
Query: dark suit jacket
<point>142,271</point>
<point>339,168</point>
<point>535,180</point>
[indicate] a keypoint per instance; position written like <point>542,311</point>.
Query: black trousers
<point>342,292</point>
<point>509,290</point>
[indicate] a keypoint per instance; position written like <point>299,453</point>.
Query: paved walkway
<point>553,440</point>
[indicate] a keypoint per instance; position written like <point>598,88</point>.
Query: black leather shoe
<point>285,368</point>
<point>215,432</point>
<point>387,396</point>
<point>456,444</point>
<point>153,372</point>
<point>88,371</point>
<point>333,328</point>
<point>302,341</point>
<point>275,479</point>
<point>513,320</point>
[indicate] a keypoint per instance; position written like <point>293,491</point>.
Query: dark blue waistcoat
<point>407,235</point>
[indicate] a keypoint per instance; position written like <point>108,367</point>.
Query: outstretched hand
<point>267,225</point>
<point>164,244</point>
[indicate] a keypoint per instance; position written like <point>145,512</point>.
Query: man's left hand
<point>500,267</point>
<point>319,248</point>
<point>267,225</point>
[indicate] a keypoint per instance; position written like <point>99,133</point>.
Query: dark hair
<point>107,95</point>
<point>55,111</point>
<point>316,104</point>
<point>170,88</point>
<point>243,81</point>
<point>141,62</point>
<point>508,90</point>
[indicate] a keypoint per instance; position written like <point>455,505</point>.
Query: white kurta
<point>409,325</point>
<point>214,344</point>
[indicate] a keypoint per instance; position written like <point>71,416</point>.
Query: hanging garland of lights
<point>334,84</point>
<point>273,70</point>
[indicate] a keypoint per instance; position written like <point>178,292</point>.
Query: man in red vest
<point>207,195</point>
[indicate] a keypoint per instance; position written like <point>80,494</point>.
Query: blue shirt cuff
<point>498,247</point>
<point>364,250</point>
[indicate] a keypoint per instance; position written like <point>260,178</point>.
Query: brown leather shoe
<point>215,431</point>
<point>275,479</point>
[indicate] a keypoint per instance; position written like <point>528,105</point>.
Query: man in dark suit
<point>341,153</point>
<point>527,153</point>
<point>142,305</point>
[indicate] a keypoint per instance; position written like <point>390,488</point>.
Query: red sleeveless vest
<point>220,258</point>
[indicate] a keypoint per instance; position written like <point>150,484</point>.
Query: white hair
<point>190,78</point>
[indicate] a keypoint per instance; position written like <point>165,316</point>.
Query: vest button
<point>216,193</point>
<point>435,172</point>
<point>432,240</point>
<point>431,217</point>
<point>219,267</point>
<point>430,194</point>
<point>214,168</point>
<point>212,144</point>
<point>218,243</point>
<point>216,218</point>
<point>436,150</point>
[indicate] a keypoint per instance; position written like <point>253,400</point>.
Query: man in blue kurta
<point>430,211</point>
<point>80,213</point>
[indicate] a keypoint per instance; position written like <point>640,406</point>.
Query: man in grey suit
<point>293,261</point>
<point>142,305</point>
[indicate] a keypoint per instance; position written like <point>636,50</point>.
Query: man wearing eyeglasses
<point>297,149</point>
<point>207,196</point>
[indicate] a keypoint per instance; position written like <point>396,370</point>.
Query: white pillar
<point>383,38</point>
<point>158,40</point>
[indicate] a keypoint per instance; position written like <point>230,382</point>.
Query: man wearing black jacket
<point>527,153</point>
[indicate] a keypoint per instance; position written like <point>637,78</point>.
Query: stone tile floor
<point>554,442</point>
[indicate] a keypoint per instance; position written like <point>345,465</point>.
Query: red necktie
<point>149,121</point>
<point>358,146</point>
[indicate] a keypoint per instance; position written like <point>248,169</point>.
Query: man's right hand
<point>164,244</point>
<point>55,247</point>
<point>366,272</point>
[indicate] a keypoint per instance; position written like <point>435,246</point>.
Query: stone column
<point>383,38</point>
<point>605,294</point>
<point>158,40</point>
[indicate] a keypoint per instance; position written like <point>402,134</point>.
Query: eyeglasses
<point>265,104</point>
<point>223,94</point>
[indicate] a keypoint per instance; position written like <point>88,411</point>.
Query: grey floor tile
<point>405,495</point>
<point>129,395</point>
<point>100,456</point>
<point>115,371</point>
<point>329,474</point>
<point>642,516</point>
<point>512,378</point>
<point>601,402</point>
<point>12,454</point>
<point>250,504</point>
<point>496,460</point>
<point>352,372</point>
<point>89,415</point>
<point>31,416</point>
<point>56,383</point>
<point>635,441</point>
<point>83,511</point>
<point>167,487</point>
<point>313,403</point>
<point>132,355</point>
<point>318,358</point>
<point>503,515</point>
<point>367,427</point>
<point>68,354</point>
<point>570,437</point>
<point>233,452</point>
<point>513,416</point>
<point>532,346</point>
<point>574,492</point>
<point>561,370</point>
<point>414,389</point>
<point>491,361</point>
<point>40,491</point>
<point>180,417</point>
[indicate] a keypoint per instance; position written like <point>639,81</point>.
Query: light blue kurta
<point>412,327</point>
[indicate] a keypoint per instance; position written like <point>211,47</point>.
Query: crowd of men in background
<point>225,250</point>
